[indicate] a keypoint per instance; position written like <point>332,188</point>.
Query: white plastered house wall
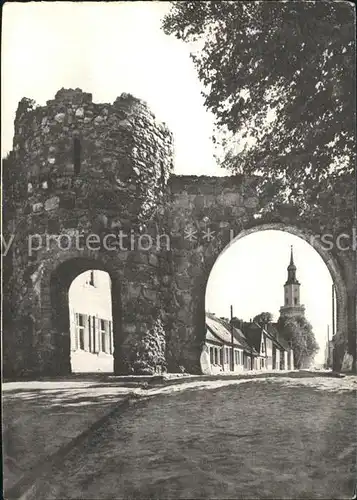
<point>90,297</point>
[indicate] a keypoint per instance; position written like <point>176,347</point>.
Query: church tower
<point>292,306</point>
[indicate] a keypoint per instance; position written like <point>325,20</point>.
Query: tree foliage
<point>298,331</point>
<point>283,75</point>
<point>263,318</point>
<point>236,322</point>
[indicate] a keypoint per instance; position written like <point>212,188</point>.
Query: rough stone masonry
<point>81,171</point>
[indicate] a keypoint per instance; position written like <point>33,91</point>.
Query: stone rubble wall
<point>126,160</point>
<point>222,208</point>
<point>126,156</point>
<point>200,206</point>
<point>125,183</point>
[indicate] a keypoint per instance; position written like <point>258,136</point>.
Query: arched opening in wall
<point>91,322</point>
<point>86,316</point>
<point>257,274</point>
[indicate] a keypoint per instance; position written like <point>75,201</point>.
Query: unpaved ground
<point>41,417</point>
<point>265,438</point>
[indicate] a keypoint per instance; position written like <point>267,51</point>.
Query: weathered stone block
<point>183,282</point>
<point>98,120</point>
<point>37,207</point>
<point>184,298</point>
<point>229,199</point>
<point>52,203</point>
<point>153,260</point>
<point>125,124</point>
<point>238,211</point>
<point>183,201</point>
<point>133,290</point>
<point>199,202</point>
<point>129,328</point>
<point>251,202</point>
<point>122,255</point>
<point>150,294</point>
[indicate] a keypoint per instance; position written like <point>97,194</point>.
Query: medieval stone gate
<point>90,186</point>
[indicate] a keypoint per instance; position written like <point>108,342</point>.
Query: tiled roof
<point>219,329</point>
<point>213,338</point>
<point>243,340</point>
<point>222,330</point>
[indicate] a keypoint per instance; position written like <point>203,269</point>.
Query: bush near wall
<point>146,356</point>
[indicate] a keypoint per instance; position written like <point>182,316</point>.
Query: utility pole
<point>232,341</point>
<point>332,361</point>
<point>333,310</point>
<point>328,347</point>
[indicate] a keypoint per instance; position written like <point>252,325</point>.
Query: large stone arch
<point>330,261</point>
<point>126,183</point>
<point>232,209</point>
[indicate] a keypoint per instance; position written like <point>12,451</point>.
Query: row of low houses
<point>254,347</point>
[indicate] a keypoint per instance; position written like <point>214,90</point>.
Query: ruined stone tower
<point>82,169</point>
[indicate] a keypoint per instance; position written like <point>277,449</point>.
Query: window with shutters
<point>211,355</point>
<point>104,334</point>
<point>80,332</point>
<point>216,356</point>
<point>110,329</point>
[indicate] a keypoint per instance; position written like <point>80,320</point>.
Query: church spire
<point>292,256</point>
<point>291,270</point>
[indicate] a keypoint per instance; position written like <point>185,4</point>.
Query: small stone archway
<point>135,303</point>
<point>50,305</point>
<point>60,282</point>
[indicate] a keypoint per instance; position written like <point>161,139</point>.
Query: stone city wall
<point>80,168</point>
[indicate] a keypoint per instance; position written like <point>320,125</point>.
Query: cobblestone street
<point>264,438</point>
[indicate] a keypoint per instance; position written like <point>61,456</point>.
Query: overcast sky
<point>107,48</point>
